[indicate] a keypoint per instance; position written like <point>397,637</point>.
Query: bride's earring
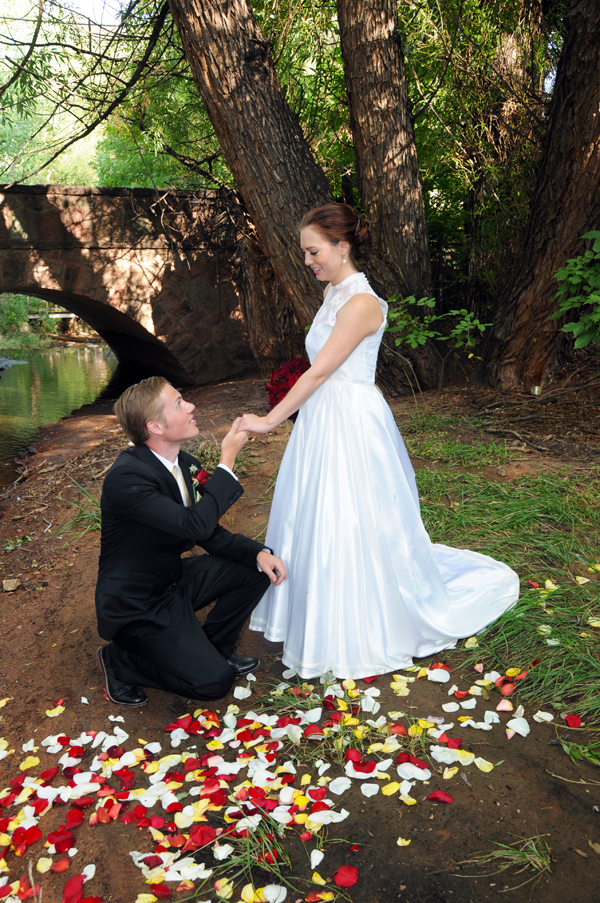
<point>343,260</point>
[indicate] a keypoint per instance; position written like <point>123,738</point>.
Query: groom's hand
<point>272,566</point>
<point>232,444</point>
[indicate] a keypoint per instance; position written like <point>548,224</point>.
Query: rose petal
<point>346,876</point>
<point>439,796</point>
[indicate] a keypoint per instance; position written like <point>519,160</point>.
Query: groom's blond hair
<point>137,405</point>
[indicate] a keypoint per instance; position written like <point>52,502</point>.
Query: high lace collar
<point>346,281</point>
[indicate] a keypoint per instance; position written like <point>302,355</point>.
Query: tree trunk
<point>387,168</point>
<point>261,138</point>
<point>528,348</point>
<point>273,331</point>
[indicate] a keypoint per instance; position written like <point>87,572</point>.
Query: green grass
<point>529,854</point>
<point>426,436</point>
<point>544,527</point>
<point>87,515</point>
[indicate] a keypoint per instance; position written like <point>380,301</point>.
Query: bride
<point>367,589</point>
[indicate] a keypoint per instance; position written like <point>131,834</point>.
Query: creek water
<point>48,385</point>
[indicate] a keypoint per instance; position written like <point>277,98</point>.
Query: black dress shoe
<point>242,664</point>
<point>116,690</point>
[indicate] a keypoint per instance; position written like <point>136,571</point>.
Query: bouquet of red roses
<point>282,380</point>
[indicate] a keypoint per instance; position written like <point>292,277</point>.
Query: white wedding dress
<point>367,589</point>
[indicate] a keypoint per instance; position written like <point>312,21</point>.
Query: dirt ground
<point>49,640</point>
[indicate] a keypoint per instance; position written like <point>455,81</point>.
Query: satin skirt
<point>367,589</point>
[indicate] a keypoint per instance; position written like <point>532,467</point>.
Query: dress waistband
<point>357,382</point>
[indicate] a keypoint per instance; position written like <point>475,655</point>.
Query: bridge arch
<point>151,272</point>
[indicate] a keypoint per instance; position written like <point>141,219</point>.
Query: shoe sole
<point>131,705</point>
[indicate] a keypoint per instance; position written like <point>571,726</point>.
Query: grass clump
<point>87,515</point>
<point>529,854</point>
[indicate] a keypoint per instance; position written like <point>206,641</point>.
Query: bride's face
<point>324,258</point>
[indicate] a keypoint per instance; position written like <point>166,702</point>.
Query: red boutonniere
<point>199,478</point>
<point>282,380</point>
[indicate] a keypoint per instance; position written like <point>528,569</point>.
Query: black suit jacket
<point>145,529</point>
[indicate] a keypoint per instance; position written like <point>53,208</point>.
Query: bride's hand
<point>253,424</point>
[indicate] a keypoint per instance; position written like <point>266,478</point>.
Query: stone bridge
<point>150,271</point>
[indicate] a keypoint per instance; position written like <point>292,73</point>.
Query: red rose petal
<point>60,865</point>
<point>573,720</point>
<point>74,818</point>
<point>439,796</point>
<point>346,876</point>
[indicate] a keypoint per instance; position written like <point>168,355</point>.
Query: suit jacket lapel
<point>169,481</point>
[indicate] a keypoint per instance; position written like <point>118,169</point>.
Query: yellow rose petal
<point>593,622</point>
<point>483,764</point>
<point>247,895</point>
<point>408,800</point>
<point>183,821</point>
<point>146,898</point>
<point>43,865</point>
<point>582,580</point>
<point>306,779</point>
<point>29,762</point>
<point>512,672</point>
<point>316,879</point>
<point>223,889</point>
<point>414,730</point>
<point>4,701</point>
<point>53,713</point>
<point>390,788</point>
<point>402,842</point>
<point>471,643</point>
<point>349,684</point>
<point>449,772</point>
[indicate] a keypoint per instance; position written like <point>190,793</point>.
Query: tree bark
<point>527,348</point>
<point>261,138</point>
<point>273,331</point>
<point>387,168</point>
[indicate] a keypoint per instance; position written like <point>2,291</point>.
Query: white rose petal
<point>242,693</point>
<point>519,726</point>
<point>369,789</point>
<point>222,851</point>
<point>274,893</point>
<point>340,785</point>
<point>316,858</point>
<point>439,676</point>
<point>409,772</point>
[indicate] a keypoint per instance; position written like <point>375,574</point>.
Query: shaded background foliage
<point>480,78</point>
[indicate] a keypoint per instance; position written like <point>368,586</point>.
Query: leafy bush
<point>14,316</point>
<point>580,291</point>
<point>415,322</point>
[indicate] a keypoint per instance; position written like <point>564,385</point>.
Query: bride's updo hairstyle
<point>339,222</point>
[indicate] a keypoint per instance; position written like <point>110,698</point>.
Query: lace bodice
<point>361,364</point>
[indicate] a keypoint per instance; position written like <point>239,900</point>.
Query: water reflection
<point>52,383</point>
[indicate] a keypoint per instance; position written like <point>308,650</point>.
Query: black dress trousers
<point>185,657</point>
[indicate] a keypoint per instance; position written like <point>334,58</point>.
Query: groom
<point>147,596</point>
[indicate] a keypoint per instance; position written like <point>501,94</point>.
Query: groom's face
<point>177,421</point>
